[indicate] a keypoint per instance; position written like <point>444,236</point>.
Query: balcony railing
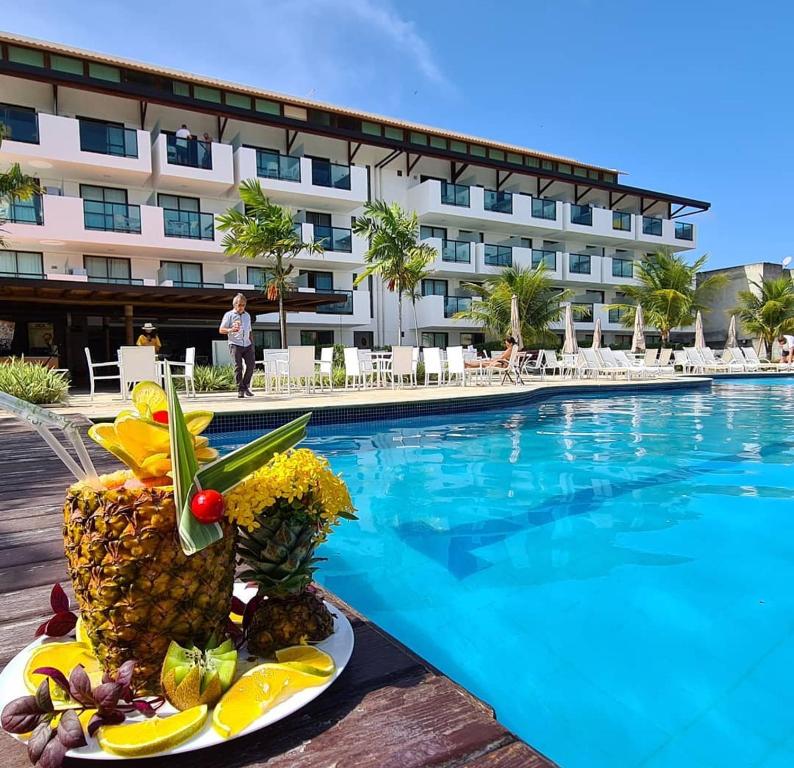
<point>456,250</point>
<point>549,258</point>
<point>455,304</point>
<point>581,214</point>
<point>579,264</point>
<point>22,211</point>
<point>334,175</point>
<point>191,224</point>
<point>651,226</point>
<point>582,313</point>
<point>544,209</point>
<point>96,136</point>
<point>194,153</point>
<point>621,221</point>
<point>343,307</point>
<point>622,268</point>
<point>683,231</point>
<point>112,217</point>
<point>19,124</point>
<point>272,165</point>
<point>616,315</point>
<point>195,284</point>
<point>455,194</point>
<point>115,280</point>
<point>24,275</point>
<point>334,238</point>
<point>500,202</point>
<point>498,255</point>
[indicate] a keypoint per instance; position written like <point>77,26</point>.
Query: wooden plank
<point>514,755</point>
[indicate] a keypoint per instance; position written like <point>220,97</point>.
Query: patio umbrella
<point>597,334</point>
<point>515,322</point>
<point>569,347</point>
<point>731,341</point>
<point>638,339</point>
<point>700,341</point>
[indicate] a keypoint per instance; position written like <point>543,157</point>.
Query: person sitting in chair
<point>497,362</point>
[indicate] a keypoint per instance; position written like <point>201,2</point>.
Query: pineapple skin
<point>283,621</point>
<point>135,587</point>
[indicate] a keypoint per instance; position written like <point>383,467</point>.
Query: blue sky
<point>693,98</point>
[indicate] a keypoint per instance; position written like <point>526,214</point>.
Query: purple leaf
<point>21,715</point>
<point>107,695</point>
<point>238,606</point>
<point>80,686</point>
<point>43,698</point>
<point>144,707</point>
<point>39,739</point>
<point>124,676</point>
<point>56,675</point>
<point>61,624</point>
<point>42,629</point>
<point>53,754</point>
<point>70,732</point>
<point>111,717</point>
<point>58,599</point>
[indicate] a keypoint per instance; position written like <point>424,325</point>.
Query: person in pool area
<point>236,326</point>
<point>787,354</point>
<point>497,362</point>
<point>149,338</point>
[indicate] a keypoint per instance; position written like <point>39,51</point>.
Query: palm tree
<point>767,309</point>
<point>393,251</point>
<point>265,231</point>
<point>416,270</point>
<point>539,303</point>
<point>14,185</point>
<point>669,292</point>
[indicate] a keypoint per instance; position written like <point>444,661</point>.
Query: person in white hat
<point>149,338</point>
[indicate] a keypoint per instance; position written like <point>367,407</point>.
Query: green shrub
<point>34,383</point>
<point>212,378</point>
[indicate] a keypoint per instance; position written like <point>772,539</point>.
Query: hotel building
<point>124,232</point>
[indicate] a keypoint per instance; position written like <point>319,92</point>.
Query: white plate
<point>339,645</point>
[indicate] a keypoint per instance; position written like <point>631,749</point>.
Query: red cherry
<point>161,417</point>
<point>207,506</point>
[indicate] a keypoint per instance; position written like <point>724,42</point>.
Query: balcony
<point>22,211</point>
<point>112,217</point>
<point>497,255</point>
<point>190,224</point>
<point>457,251</point>
<point>621,221</point>
<point>599,225</point>
<point>341,248</point>
<point>619,270</point>
<point>500,202</point>
<point>19,124</point>
<point>651,225</point>
<point>352,310</point>
<point>544,209</point>
<point>655,232</point>
<point>684,231</point>
<point>335,239</point>
<point>66,147</point>
<point>455,304</point>
<point>437,311</point>
<point>547,258</point>
<point>302,182</point>
<point>455,194</point>
<point>344,307</point>
<point>192,164</point>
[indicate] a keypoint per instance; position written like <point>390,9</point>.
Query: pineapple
<point>136,589</point>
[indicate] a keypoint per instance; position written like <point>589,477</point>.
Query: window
<point>271,164</point>
<point>432,287</point>
<point>328,174</point>
<point>622,267</point>
<point>454,194</point>
<point>237,100</point>
<point>320,281</point>
<point>579,264</point>
<point>582,313</point>
<point>621,221</point>
<point>19,211</point>
<point>596,297</point>
<point>547,258</point>
<point>472,339</point>
<point>180,88</point>
<point>456,250</point>
<point>544,209</point>
<point>193,153</point>
<point>418,138</point>
<point>318,219</point>
<point>582,215</point>
<point>25,56</point>
<point>683,231</point>
<point>267,107</point>
<point>476,150</point>
<point>498,255</point>
<point>104,72</point>
<point>203,93</point>
<point>390,132</point>
<point>317,339</point>
<point>265,339</point>
<point>439,142</point>
<point>106,208</point>
<point>616,315</point>
<point>499,202</point>
<point>184,274</point>
<point>66,64</point>
<point>182,218</point>
<point>258,276</point>
<point>19,123</point>
<point>434,339</point>
<point>107,138</point>
<point>426,231</point>
<point>104,269</point>
<point>21,264</point>
<point>372,129</point>
<point>651,225</point>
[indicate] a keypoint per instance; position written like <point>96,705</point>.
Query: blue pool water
<point>614,575</point>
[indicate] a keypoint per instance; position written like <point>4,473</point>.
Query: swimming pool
<point>612,574</point>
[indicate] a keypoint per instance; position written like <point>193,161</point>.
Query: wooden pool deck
<point>389,709</point>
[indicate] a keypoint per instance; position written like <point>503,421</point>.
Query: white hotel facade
<point>123,231</point>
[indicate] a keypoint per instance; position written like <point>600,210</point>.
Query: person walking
<point>236,326</point>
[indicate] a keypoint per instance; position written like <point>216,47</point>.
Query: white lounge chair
<point>751,358</point>
<point>136,364</point>
<point>632,366</point>
<point>434,365</point>
<point>611,364</point>
<point>325,367</point>
<point>93,378</point>
<point>718,365</point>
<point>552,362</point>
<point>588,364</point>
<point>188,371</point>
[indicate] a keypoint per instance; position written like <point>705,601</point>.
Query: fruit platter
<point>197,620</point>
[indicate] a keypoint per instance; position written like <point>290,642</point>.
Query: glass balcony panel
<point>455,304</point>
<point>579,264</point>
<point>22,211</point>
<point>621,221</point>
<point>194,153</point>
<point>683,231</point>
<point>19,124</point>
<point>549,258</point>
<point>500,202</point>
<point>581,214</point>
<point>651,226</point>
<point>616,315</point>
<point>622,268</point>
<point>96,136</point>
<point>456,250</point>
<point>498,255</point>
<point>344,307</point>
<point>272,165</point>
<point>455,194</point>
<point>191,224</point>
<point>334,175</point>
<point>112,217</point>
<point>21,264</point>
<point>544,209</point>
<point>334,238</point>
<point>582,313</point>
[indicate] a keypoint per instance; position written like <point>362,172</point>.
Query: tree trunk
<point>282,320</point>
<point>664,336</point>
<point>399,318</point>
<point>768,344</point>
<point>416,324</point>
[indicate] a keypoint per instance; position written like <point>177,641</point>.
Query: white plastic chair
<point>300,368</point>
<point>751,357</point>
<point>353,369</point>
<point>275,364</point>
<point>455,366</point>
<point>433,365</point>
<point>401,366</point>
<point>94,366</point>
<point>325,367</point>
<point>136,364</point>
<point>189,369</point>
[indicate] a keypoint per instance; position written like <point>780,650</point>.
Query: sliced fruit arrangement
<point>65,657</point>
<point>262,688</point>
<point>140,438</point>
<point>151,736</point>
<point>191,677</point>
